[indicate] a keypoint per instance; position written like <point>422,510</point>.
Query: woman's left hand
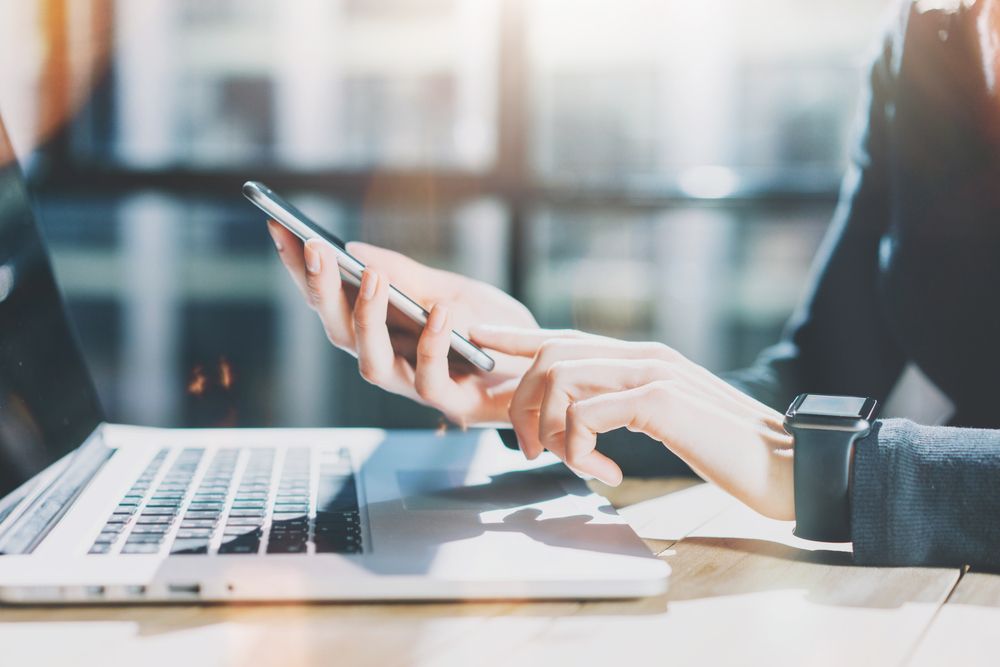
<point>580,385</point>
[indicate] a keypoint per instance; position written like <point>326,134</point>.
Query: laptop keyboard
<point>237,505</point>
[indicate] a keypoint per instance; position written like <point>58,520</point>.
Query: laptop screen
<point>48,405</point>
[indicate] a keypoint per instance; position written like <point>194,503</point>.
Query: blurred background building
<point>647,169</point>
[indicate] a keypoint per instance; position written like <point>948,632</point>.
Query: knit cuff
<point>926,495</point>
<point>870,520</point>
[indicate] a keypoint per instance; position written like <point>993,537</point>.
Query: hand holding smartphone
<point>406,312</point>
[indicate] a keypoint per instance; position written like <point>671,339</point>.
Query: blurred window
<point>656,169</point>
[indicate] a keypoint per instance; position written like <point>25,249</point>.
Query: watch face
<point>831,406</point>
<point>844,413</point>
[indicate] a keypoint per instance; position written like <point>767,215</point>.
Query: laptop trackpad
<point>442,489</point>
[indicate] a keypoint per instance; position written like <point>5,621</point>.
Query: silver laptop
<point>95,512</point>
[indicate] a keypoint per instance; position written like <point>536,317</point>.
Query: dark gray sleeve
<point>838,342</point>
<point>926,495</point>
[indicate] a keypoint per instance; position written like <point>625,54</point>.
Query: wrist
<point>781,486</point>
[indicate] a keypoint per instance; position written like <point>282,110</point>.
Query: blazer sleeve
<point>838,340</point>
<point>926,495</point>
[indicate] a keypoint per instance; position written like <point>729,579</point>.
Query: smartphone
<point>414,315</point>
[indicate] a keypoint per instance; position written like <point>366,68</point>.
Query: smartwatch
<point>825,429</point>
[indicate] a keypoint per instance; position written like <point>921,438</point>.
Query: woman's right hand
<point>411,364</point>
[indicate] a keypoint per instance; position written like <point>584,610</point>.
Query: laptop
<point>93,512</point>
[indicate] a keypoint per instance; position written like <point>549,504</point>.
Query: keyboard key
<point>289,548</point>
<point>150,519</point>
<point>239,500</point>
<point>327,542</point>
<point>143,548</point>
<point>244,521</point>
<point>205,506</point>
<point>199,533</point>
<point>100,548</point>
<point>291,507</point>
<point>259,492</point>
<point>336,518</point>
<point>250,502</point>
<point>286,517</point>
<point>344,528</point>
<point>189,546</point>
<point>337,545</point>
<point>333,517</point>
<point>248,543</point>
<point>198,523</point>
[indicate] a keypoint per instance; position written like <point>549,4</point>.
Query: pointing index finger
<point>516,341</point>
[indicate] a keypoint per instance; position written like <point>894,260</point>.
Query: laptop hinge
<point>45,510</point>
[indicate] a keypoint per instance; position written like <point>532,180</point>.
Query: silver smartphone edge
<point>351,269</point>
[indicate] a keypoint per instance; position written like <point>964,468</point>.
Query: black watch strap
<point>822,468</point>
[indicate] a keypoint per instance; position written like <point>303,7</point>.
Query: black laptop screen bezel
<point>48,402</point>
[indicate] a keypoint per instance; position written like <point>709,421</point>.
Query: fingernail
<point>437,319</point>
<point>369,285</point>
<point>313,264</point>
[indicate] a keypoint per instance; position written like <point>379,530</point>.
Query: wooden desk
<point>743,591</point>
